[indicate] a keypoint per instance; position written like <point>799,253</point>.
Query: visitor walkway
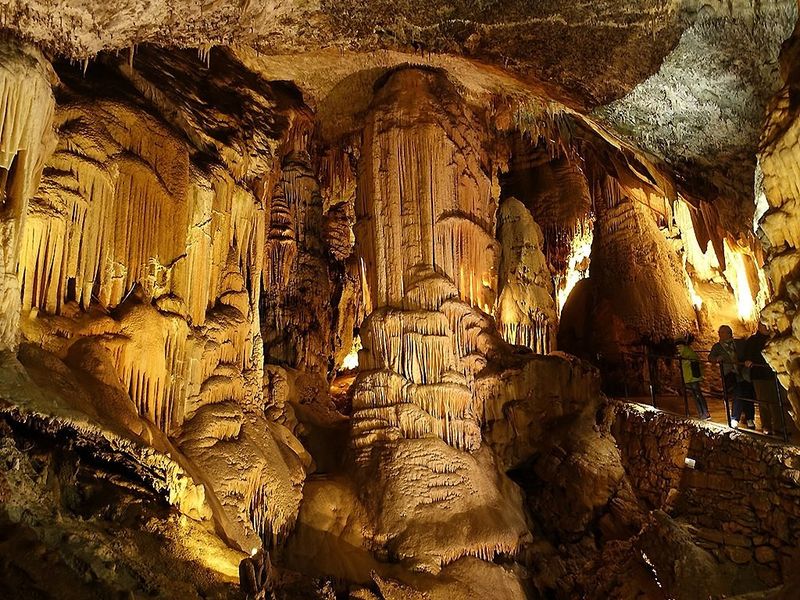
<point>657,380</point>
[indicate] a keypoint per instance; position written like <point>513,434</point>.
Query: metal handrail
<point>703,360</point>
<point>721,363</point>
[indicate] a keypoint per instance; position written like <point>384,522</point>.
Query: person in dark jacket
<point>728,352</point>
<point>764,380</point>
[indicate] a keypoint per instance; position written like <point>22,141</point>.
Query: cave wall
<point>778,158</point>
<point>195,260</point>
<point>142,265</point>
<point>96,236</point>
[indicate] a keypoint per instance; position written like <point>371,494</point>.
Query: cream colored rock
<point>47,394</point>
<point>142,268</point>
<point>26,141</point>
<point>425,210</point>
<point>526,308</point>
<point>521,401</point>
<point>779,158</point>
<point>424,197</point>
<point>333,535</point>
<point>434,504</point>
<point>257,477</point>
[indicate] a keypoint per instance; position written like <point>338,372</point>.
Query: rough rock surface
<point>76,529</point>
<point>738,502</point>
<point>231,203</point>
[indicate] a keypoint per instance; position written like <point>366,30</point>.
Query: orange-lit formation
<point>368,300</point>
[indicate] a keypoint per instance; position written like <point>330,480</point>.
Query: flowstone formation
<point>292,297</point>
<point>778,160</point>
<point>26,115</point>
<point>526,309</point>
<point>425,212</point>
<point>140,275</point>
<point>628,248</point>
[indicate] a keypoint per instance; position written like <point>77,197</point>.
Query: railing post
<point>725,395</point>
<point>778,390</point>
<point>683,385</point>
<point>650,376</point>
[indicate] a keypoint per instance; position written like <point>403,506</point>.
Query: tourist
<point>764,381</point>
<point>693,374</point>
<point>726,352</point>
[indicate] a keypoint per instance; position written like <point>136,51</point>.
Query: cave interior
<point>381,301</point>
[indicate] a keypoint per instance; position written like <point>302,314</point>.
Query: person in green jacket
<point>693,374</point>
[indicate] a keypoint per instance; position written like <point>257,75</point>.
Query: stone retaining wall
<point>742,498</point>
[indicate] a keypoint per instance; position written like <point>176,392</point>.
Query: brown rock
<point>761,502</point>
<point>739,555</point>
<point>711,535</point>
<point>735,539</point>
<point>765,554</point>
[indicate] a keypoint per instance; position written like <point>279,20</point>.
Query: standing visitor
<point>764,381</point>
<point>693,374</point>
<point>725,351</point>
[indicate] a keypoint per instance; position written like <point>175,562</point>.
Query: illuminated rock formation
<point>778,158</point>
<point>413,215</point>
<point>637,277</point>
<point>425,208</point>
<point>731,293</point>
<point>141,252</point>
<point>99,208</point>
<point>555,191</point>
<point>526,309</point>
<point>26,112</point>
<point>281,284</point>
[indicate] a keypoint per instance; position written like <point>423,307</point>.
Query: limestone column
<point>779,157</point>
<point>425,222</point>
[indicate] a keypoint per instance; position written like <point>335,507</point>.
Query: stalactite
<point>116,202</point>
<point>628,251</point>
<point>26,115</point>
<point>126,211</point>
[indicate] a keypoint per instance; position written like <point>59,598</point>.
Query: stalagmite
<point>425,210</point>
<point>526,310</point>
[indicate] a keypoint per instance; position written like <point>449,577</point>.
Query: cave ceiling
<point>681,83</point>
